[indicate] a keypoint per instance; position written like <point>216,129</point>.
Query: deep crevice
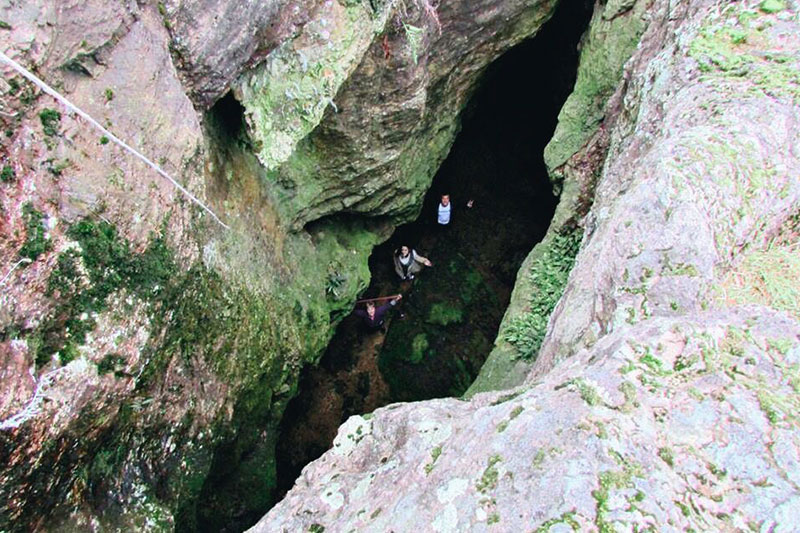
<point>497,161</point>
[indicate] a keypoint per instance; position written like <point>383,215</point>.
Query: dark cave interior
<point>438,336</point>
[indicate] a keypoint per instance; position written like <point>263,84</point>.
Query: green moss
<point>548,276</point>
<point>667,455</point>
<point>566,518</point>
<point>737,69</point>
<point>588,393</point>
<point>444,314</point>
<point>36,241</point>
<point>608,45</point>
<point>488,480</point>
<point>772,6</point>
<point>51,121</point>
<point>419,347</point>
<point>103,140</point>
<point>111,362</point>
<point>435,453</point>
<point>609,481</point>
<point>7,175</point>
<point>494,518</point>
<point>110,266</point>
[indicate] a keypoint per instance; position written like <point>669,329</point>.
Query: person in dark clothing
<point>373,317</point>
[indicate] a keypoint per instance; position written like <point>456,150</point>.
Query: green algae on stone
<point>751,70</point>
<point>612,39</point>
<point>286,97</point>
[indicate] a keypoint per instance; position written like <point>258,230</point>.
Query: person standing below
<point>444,210</point>
<point>407,262</point>
<point>373,317</point>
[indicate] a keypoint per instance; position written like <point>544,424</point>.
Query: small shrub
<point>103,140</point>
<point>7,175</point>
<point>4,25</point>
<point>36,242</point>
<point>51,120</point>
<point>109,93</point>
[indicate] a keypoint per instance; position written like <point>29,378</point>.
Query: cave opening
<point>439,335</point>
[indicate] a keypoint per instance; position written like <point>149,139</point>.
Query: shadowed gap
<point>452,311</point>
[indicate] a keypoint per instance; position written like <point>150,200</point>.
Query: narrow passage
<point>440,333</point>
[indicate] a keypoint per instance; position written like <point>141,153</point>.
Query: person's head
<point>371,309</point>
<point>445,199</point>
<point>404,251</point>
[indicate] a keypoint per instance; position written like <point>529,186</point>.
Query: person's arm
<point>424,260</point>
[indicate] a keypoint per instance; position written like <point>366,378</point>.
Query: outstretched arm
<point>424,260</point>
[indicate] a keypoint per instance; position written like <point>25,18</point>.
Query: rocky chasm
<point>644,375</point>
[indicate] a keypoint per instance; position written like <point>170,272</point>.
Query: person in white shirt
<point>407,262</point>
<point>444,210</point>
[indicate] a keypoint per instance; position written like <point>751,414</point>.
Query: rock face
<point>656,401</point>
<point>148,352</point>
<point>670,424</point>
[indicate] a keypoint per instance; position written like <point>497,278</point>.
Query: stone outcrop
<point>669,424</point>
<point>656,401</point>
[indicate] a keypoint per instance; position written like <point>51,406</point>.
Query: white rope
<point>23,260</point>
<point>46,382</point>
<point>46,88</point>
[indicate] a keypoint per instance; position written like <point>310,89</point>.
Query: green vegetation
<point>51,120</point>
<point>566,518</point>
<point>414,40</point>
<point>549,276</point>
<point>721,53</point>
<point>36,241</point>
<point>419,346</point>
<point>7,175</point>
<point>4,25</point>
<point>435,453</point>
<point>767,277</point>
<point>772,6</point>
<point>608,482</point>
<point>488,480</point>
<point>109,94</point>
<point>103,140</point>
<point>666,454</point>
<point>109,265</point>
<point>444,314</point>
<point>111,362</point>
<point>604,51</point>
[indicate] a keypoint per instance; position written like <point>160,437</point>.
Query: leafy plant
<point>7,175</point>
<point>334,283</point>
<point>549,276</point>
<point>36,242</point>
<point>414,39</point>
<point>51,119</point>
